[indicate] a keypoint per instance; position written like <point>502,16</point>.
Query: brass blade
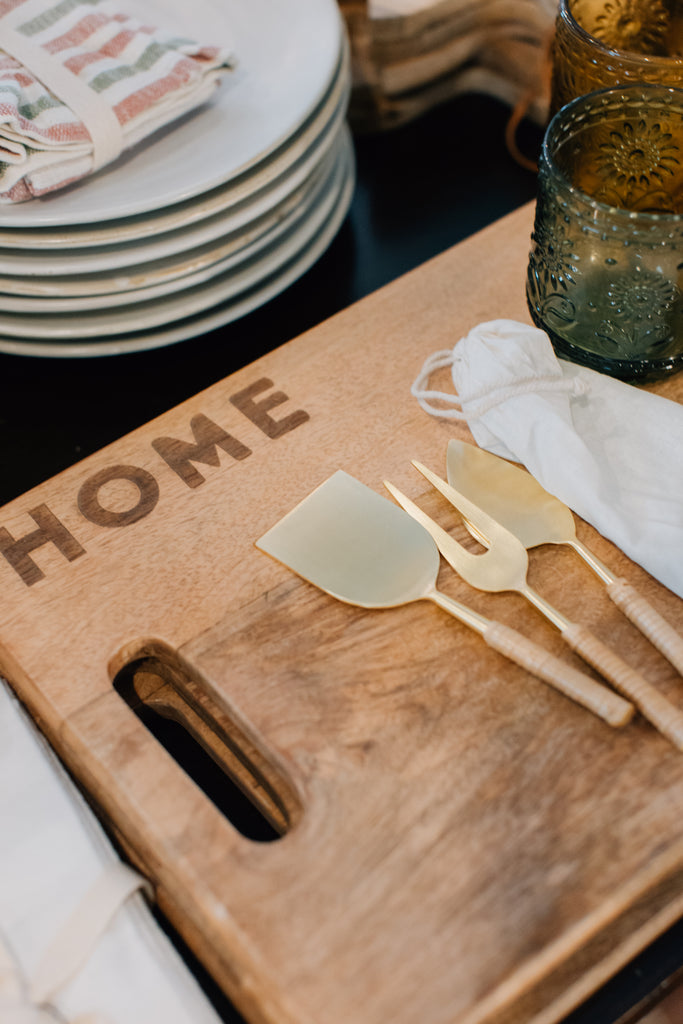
<point>510,495</point>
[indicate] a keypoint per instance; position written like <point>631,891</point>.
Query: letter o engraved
<point>89,500</point>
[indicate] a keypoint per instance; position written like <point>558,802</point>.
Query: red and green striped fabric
<point>143,75</point>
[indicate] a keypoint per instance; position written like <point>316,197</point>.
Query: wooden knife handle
<point>631,684</point>
<point>641,613</point>
<point>573,684</point>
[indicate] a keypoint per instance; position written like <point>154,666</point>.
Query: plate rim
<point>278,226</point>
<point>214,316</point>
<point>287,163</point>
<point>124,259</point>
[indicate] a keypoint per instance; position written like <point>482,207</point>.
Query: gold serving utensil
<point>515,499</point>
<point>504,567</point>
<point>363,549</point>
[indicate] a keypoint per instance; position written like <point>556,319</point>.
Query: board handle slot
<point>167,703</point>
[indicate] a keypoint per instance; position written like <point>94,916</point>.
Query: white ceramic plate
<point>122,318</point>
<point>82,271</point>
<point>245,198</point>
<point>202,323</point>
<point>287,52</point>
<point>154,280</point>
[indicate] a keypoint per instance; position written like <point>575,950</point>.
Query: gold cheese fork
<point>504,567</point>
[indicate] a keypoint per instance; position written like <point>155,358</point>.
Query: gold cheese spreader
<point>515,499</point>
<point>363,549</point>
<point>504,567</point>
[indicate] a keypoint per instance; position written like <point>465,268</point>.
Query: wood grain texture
<point>668,1011</point>
<point>462,843</point>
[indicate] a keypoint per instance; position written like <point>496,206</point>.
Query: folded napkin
<point>81,81</point>
<point>611,451</point>
<point>77,940</point>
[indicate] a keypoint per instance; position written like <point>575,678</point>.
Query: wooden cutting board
<point>461,843</point>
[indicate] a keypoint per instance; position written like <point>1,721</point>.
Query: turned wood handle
<point>651,704</point>
<point>573,684</point>
<point>641,613</point>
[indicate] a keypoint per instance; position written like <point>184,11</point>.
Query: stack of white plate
<point>205,221</point>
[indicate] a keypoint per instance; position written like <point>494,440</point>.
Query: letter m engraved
<point>208,436</point>
<point>48,530</point>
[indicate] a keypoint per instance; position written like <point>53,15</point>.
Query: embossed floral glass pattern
<point>601,43</point>
<point>605,269</point>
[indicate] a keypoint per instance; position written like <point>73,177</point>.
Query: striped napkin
<point>83,80</point>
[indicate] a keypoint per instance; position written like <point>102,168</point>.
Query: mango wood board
<point>461,844</point>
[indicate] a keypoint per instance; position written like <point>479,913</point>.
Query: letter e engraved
<point>180,455</point>
<point>257,412</point>
<point>89,496</point>
<point>49,531</point>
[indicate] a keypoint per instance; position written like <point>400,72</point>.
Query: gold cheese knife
<point>514,498</point>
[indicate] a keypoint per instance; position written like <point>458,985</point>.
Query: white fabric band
<point>99,119</point>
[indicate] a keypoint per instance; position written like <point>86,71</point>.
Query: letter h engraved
<point>49,531</point>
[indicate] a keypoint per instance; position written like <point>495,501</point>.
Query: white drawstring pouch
<point>611,451</point>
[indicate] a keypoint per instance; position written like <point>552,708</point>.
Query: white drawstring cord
<point>479,404</point>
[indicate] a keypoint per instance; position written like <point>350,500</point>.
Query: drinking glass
<point>601,43</point>
<point>605,269</point>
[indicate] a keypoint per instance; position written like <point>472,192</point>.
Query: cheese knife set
<point>360,549</point>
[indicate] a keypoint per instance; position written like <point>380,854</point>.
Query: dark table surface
<point>420,189</point>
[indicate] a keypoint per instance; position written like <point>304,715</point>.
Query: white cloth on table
<point>76,934</point>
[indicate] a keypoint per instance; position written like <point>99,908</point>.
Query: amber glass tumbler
<point>606,265</point>
<point>600,43</point>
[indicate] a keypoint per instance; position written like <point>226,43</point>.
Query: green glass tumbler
<point>605,269</point>
<point>601,43</point>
